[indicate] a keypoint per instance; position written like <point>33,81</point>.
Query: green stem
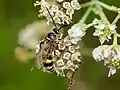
<point>108,7</point>
<point>85,16</point>
<point>116,19</point>
<point>102,14</point>
<point>96,2</point>
<point>115,39</point>
<point>118,35</point>
<point>88,4</point>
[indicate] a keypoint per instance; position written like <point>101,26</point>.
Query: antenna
<point>52,19</point>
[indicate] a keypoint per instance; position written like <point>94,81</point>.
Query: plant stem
<point>118,35</point>
<point>70,76</point>
<point>91,3</point>
<point>102,14</point>
<point>85,16</point>
<point>108,7</point>
<point>95,2</point>
<point>116,19</point>
<point>115,39</point>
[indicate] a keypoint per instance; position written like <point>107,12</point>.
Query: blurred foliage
<point>16,14</point>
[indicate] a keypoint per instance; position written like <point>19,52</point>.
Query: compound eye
<point>51,35</point>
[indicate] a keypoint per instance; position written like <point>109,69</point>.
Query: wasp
<point>44,58</point>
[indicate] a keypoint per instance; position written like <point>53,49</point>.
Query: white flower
<point>110,55</point>
<point>112,28</point>
<point>54,8</point>
<point>70,12</point>
<point>65,19</point>
<point>66,55</point>
<point>74,57</point>
<point>75,5</point>
<point>71,49</point>
<point>101,52</point>
<point>67,41</point>
<point>37,3</point>
<point>57,52</point>
<point>66,5</point>
<point>98,33</point>
<point>76,32</point>
<point>61,46</point>
<point>60,62</point>
<point>59,13</point>
<point>57,20</point>
<point>103,30</point>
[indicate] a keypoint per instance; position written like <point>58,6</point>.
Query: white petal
<point>112,27</point>
<point>112,71</point>
<point>100,26</point>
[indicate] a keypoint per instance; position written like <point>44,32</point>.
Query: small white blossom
<point>61,46</point>
<point>57,52</point>
<point>57,20</point>
<point>76,32</point>
<point>59,13</point>
<point>74,57</point>
<point>70,12</point>
<point>54,8</point>
<point>75,5</point>
<point>60,62</point>
<point>66,5</point>
<point>67,41</point>
<point>66,55</point>
<point>66,19</point>
<point>71,49</point>
<point>110,55</point>
<point>103,30</point>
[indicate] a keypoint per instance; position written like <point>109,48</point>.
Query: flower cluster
<point>67,56</point>
<point>110,55</point>
<point>61,10</point>
<point>103,30</point>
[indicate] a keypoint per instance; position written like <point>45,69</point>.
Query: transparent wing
<point>44,52</point>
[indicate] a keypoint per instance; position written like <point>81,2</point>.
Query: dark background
<point>14,75</point>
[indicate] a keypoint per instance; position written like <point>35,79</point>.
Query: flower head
<point>61,11</point>
<point>75,5</point>
<point>110,55</point>
<point>104,30</point>
<point>76,32</point>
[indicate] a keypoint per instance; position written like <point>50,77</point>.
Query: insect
<point>44,58</point>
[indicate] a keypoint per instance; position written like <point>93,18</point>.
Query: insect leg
<point>62,27</point>
<point>52,18</point>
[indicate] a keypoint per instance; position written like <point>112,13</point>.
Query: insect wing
<point>45,51</point>
<point>39,59</point>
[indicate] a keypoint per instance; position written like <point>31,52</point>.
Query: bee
<point>44,58</point>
